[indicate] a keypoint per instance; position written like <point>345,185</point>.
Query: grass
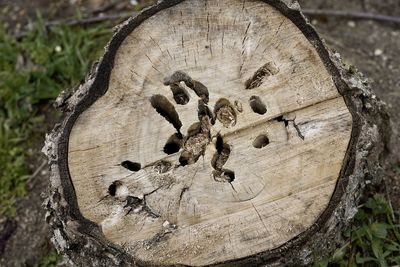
<point>33,71</point>
<point>373,240</point>
<point>50,260</point>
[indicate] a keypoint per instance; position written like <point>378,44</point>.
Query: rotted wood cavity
<point>180,76</point>
<point>132,166</point>
<point>166,109</point>
<point>173,144</point>
<point>256,80</point>
<point>218,161</point>
<point>257,105</point>
<point>225,113</point>
<point>181,96</point>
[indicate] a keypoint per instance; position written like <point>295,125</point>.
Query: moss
<point>50,260</point>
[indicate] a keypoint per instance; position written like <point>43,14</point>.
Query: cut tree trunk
<point>213,132</point>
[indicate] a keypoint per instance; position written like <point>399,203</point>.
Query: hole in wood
<point>282,119</point>
<point>185,158</point>
<point>181,96</point>
<point>195,145</point>
<point>173,144</point>
<point>224,175</point>
<point>198,137</point>
<point>200,90</point>
<point>219,145</point>
<point>163,166</point>
<point>218,161</point>
<point>257,105</point>
<point>166,109</point>
<point>112,189</point>
<point>229,174</point>
<point>194,129</point>
<point>177,77</point>
<point>171,148</point>
<point>132,166</point>
<point>225,113</point>
<point>133,202</point>
<point>261,141</point>
<point>222,155</point>
<point>204,111</point>
<point>257,79</point>
<point>180,76</point>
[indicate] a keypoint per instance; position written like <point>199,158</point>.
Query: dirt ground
<point>373,47</point>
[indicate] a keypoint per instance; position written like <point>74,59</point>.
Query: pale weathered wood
<point>265,131</point>
<point>272,198</point>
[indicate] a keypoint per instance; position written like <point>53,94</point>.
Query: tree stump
<point>212,133</point>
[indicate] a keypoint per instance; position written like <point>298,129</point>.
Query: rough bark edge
<point>82,242</point>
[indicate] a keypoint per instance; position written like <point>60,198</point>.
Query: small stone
<point>165,224</point>
<point>351,24</point>
<point>378,52</point>
<point>58,49</point>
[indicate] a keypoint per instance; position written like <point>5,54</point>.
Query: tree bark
<point>218,133</point>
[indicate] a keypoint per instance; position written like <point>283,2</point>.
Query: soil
<point>372,47</point>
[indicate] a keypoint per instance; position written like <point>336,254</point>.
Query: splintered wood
<point>221,135</point>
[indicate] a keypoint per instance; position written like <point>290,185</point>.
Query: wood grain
<point>279,190</point>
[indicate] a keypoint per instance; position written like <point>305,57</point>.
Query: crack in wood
<point>286,121</point>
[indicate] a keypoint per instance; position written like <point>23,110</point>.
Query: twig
<point>39,169</point>
<point>351,14</point>
<point>105,8</point>
<point>351,245</point>
<point>389,200</point>
<point>81,22</point>
<point>88,21</point>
